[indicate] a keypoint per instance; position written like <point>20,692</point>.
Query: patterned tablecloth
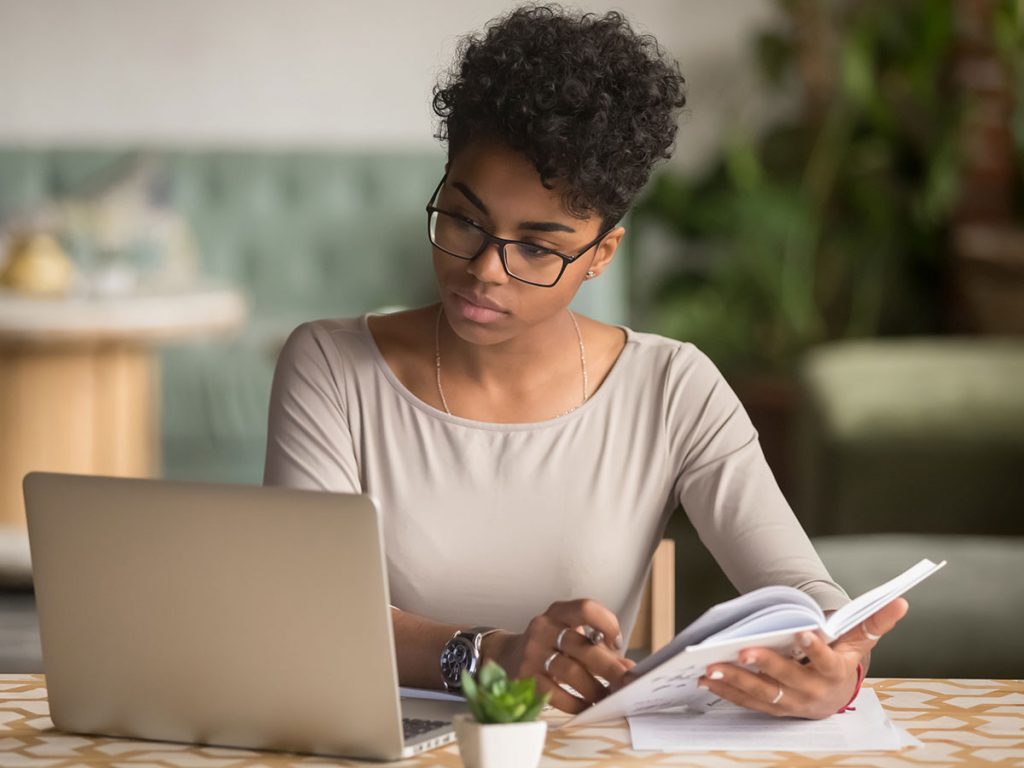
<point>960,722</point>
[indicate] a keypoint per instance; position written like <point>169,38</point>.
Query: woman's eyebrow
<point>539,226</point>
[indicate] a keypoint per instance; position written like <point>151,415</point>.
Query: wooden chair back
<point>656,621</point>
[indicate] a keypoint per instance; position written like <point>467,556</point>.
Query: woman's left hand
<point>784,687</point>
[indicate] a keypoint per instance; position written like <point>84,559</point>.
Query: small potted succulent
<point>502,730</point>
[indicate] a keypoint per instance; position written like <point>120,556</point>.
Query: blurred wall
<point>308,72</point>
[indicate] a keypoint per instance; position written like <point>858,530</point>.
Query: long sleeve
<point>309,444</point>
<point>728,491</point>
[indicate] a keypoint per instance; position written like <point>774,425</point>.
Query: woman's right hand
<point>577,662</point>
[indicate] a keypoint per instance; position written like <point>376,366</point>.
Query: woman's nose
<point>487,267</point>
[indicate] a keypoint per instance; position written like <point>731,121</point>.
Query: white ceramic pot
<point>503,745</point>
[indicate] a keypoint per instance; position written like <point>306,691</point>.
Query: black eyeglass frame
<point>502,242</point>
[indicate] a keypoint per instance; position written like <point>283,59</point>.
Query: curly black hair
<point>585,98</point>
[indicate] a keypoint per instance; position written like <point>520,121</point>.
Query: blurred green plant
<point>496,699</point>
<point>833,223</point>
<point>1009,38</point>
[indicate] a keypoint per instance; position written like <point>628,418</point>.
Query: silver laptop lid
<point>218,614</point>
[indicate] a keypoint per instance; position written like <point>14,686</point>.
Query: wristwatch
<point>460,653</point>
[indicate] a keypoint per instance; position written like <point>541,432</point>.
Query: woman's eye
<point>535,250</point>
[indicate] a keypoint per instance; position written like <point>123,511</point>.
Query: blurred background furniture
<point>78,387</point>
<point>913,434</point>
<point>966,621</point>
<point>656,621</point>
<point>914,448</point>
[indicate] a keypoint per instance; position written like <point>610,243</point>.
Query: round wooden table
<point>79,380</point>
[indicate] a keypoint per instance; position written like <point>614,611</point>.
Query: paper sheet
<point>733,728</point>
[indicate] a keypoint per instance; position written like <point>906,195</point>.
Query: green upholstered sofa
<point>911,435</point>
<point>914,448</point>
<point>306,234</point>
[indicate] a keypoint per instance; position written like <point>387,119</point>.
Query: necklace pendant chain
<point>437,362</point>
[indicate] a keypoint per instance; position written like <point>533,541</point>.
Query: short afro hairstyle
<point>585,98</point>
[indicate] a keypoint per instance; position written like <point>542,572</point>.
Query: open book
<point>770,617</point>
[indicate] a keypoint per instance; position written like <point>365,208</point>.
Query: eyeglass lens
<point>459,238</point>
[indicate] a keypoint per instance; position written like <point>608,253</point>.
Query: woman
<point>527,459</point>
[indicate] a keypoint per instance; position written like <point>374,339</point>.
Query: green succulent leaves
<point>496,699</point>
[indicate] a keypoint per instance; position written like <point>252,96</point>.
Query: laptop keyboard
<point>414,726</point>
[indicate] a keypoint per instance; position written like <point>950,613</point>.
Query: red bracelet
<point>856,690</point>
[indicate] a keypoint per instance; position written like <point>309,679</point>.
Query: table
<point>961,722</point>
<point>79,384</point>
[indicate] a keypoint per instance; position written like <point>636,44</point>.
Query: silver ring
<point>778,696</point>
<point>547,662</point>
<point>869,635</point>
<point>558,641</point>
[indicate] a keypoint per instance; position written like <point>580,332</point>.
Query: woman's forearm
<point>418,645</point>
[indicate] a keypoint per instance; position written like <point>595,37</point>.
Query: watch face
<point>458,655</point>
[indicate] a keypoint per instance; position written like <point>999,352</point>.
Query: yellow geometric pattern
<point>960,722</point>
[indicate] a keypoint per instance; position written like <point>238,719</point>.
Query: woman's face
<point>500,190</point>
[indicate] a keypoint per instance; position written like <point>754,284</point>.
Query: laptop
<point>228,615</point>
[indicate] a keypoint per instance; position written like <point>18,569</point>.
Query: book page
<point>770,619</point>
<point>674,683</point>
<point>723,615</point>
<point>853,613</point>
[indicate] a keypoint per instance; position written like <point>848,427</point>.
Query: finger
<point>828,662</point>
<point>878,624</point>
<point>745,699</point>
<point>573,613</point>
<point>596,659</point>
<point>759,687</point>
<point>567,670</point>
<point>773,664</point>
<point>560,699</point>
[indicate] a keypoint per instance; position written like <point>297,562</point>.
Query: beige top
<point>490,523</point>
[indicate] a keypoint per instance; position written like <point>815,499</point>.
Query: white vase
<point>502,745</point>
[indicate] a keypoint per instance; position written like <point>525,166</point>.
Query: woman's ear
<point>606,251</point>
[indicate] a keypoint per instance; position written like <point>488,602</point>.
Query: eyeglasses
<point>527,262</point>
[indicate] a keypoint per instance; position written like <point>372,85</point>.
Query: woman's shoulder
<point>652,354</point>
<point>329,332</point>
<point>360,343</point>
<point>331,345</point>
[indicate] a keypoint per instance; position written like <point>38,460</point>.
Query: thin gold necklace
<point>437,361</point>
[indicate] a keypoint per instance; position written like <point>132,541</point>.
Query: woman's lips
<point>474,312</point>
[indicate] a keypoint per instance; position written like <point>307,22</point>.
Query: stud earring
<point>589,275</point>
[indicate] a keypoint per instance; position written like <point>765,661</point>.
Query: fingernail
<point>703,686</point>
<point>749,658</point>
<point>618,642</point>
<point>805,639</point>
<point>716,675</point>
